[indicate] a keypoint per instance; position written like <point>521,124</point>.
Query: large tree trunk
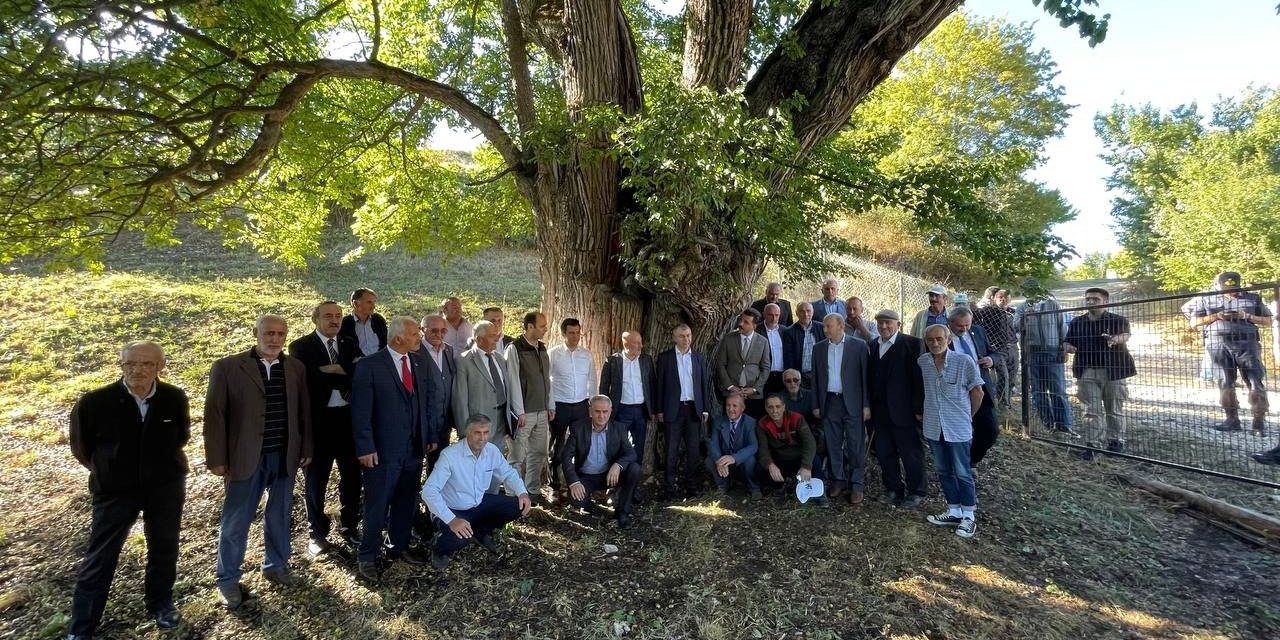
<point>579,220</point>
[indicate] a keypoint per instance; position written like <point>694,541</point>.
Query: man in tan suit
<point>257,433</point>
<point>741,363</point>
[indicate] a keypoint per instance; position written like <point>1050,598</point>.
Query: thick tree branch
<point>715,42</point>
<point>518,61</point>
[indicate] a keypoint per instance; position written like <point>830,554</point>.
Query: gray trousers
<point>846,444</point>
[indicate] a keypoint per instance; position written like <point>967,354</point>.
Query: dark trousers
<point>113,516</point>
<point>333,443</point>
<point>493,513</point>
<point>685,429</point>
<point>773,384</point>
<point>626,491</point>
<point>633,416</point>
<point>900,452</point>
<point>390,500</point>
<point>846,444</point>
<point>566,414</point>
<point>788,467</point>
<point>746,472</point>
<point>986,428</point>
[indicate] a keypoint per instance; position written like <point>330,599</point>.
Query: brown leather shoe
<point>856,497</point>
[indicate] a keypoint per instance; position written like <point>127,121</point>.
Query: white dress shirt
<point>573,374</point>
<point>885,346</point>
<point>632,380</point>
<point>775,347</point>
<point>461,478</point>
<point>458,337</point>
<point>684,367</point>
<point>335,396</point>
<point>835,358</point>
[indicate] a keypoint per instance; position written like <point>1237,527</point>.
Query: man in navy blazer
<point>330,359</point>
<point>684,397</point>
<point>632,395</point>
<point>597,454</point>
<point>840,387</point>
<point>442,365</point>
<point>804,332</point>
<point>971,340</point>
<point>393,409</point>
<point>896,388</point>
<point>733,447</point>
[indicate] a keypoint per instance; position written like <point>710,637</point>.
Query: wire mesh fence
<point>1194,398</point>
<point>878,286</point>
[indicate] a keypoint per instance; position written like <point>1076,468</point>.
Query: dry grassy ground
<point>1063,551</point>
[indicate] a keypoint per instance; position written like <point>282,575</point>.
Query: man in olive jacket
<point>257,433</point>
<point>130,434</point>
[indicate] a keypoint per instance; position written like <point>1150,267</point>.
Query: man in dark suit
<point>627,378</point>
<point>774,333</point>
<point>443,366</point>
<point>797,350</point>
<point>367,328</point>
<point>773,295</point>
<point>684,398</point>
<point>393,411</point>
<point>330,359</point>
<point>257,433</point>
<point>597,455</point>
<point>742,362</point>
<point>896,388</point>
<point>840,385</point>
<point>129,435</point>
<point>733,447</point>
<point>971,340</point>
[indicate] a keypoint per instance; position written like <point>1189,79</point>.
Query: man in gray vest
<point>529,370</point>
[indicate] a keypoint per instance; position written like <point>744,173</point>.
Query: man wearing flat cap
<point>935,313</point>
<point>1229,320</point>
<point>896,388</point>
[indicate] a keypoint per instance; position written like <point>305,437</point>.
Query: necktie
<point>742,376</point>
<point>498,386</point>
<point>333,352</point>
<point>733,431</point>
<point>405,376</point>
<point>964,346</point>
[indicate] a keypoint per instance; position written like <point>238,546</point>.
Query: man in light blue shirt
<point>952,395</point>
<point>457,493</point>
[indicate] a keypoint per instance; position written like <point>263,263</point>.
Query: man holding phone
<point>1230,321</point>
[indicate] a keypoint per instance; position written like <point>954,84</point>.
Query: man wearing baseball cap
<point>1230,321</point>
<point>935,313</point>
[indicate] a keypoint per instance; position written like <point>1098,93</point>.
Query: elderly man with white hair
<point>481,384</point>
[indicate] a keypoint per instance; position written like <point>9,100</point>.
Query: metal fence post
<point>902,297</point>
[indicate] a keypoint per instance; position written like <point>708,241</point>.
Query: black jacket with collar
<point>122,451</point>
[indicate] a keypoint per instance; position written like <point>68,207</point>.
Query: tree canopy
<point>661,159</point>
<point>1196,197</point>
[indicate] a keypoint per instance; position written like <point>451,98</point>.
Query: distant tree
<point>1207,195</point>
<point>1092,267</point>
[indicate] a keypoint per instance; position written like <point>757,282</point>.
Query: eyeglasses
<point>790,380</point>
<point>140,365</point>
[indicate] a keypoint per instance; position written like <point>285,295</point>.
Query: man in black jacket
<point>330,360</point>
<point>130,434</point>
<point>598,455</point>
<point>366,327</point>
<point>896,388</point>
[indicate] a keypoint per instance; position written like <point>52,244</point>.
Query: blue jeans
<point>238,509</point>
<point>632,415</point>
<point>493,513</point>
<point>1048,388</point>
<point>951,461</point>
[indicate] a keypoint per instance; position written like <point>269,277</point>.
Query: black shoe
<point>535,500</point>
<point>168,617</point>
<point>367,570</point>
<point>625,522</point>
<point>414,557</point>
<point>1271,456</point>
<point>318,547</point>
<point>911,502</point>
<point>596,510</point>
<point>350,537</point>
<point>1229,425</point>
<point>1115,446</point>
<point>692,494</point>
<point>488,543</point>
<point>79,636</point>
<point>666,495</point>
<point>439,561</point>
<point>890,497</point>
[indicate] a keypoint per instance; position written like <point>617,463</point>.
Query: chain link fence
<point>878,286</point>
<point>1171,411</point>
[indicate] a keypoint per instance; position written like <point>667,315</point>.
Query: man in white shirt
<point>573,382</point>
<point>457,493</point>
<point>772,330</point>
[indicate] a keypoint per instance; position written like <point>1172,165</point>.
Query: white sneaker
<point>967,528</point>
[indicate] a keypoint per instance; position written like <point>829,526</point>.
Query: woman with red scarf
<point>787,446</point>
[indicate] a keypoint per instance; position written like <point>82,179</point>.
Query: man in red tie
<point>393,419</point>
